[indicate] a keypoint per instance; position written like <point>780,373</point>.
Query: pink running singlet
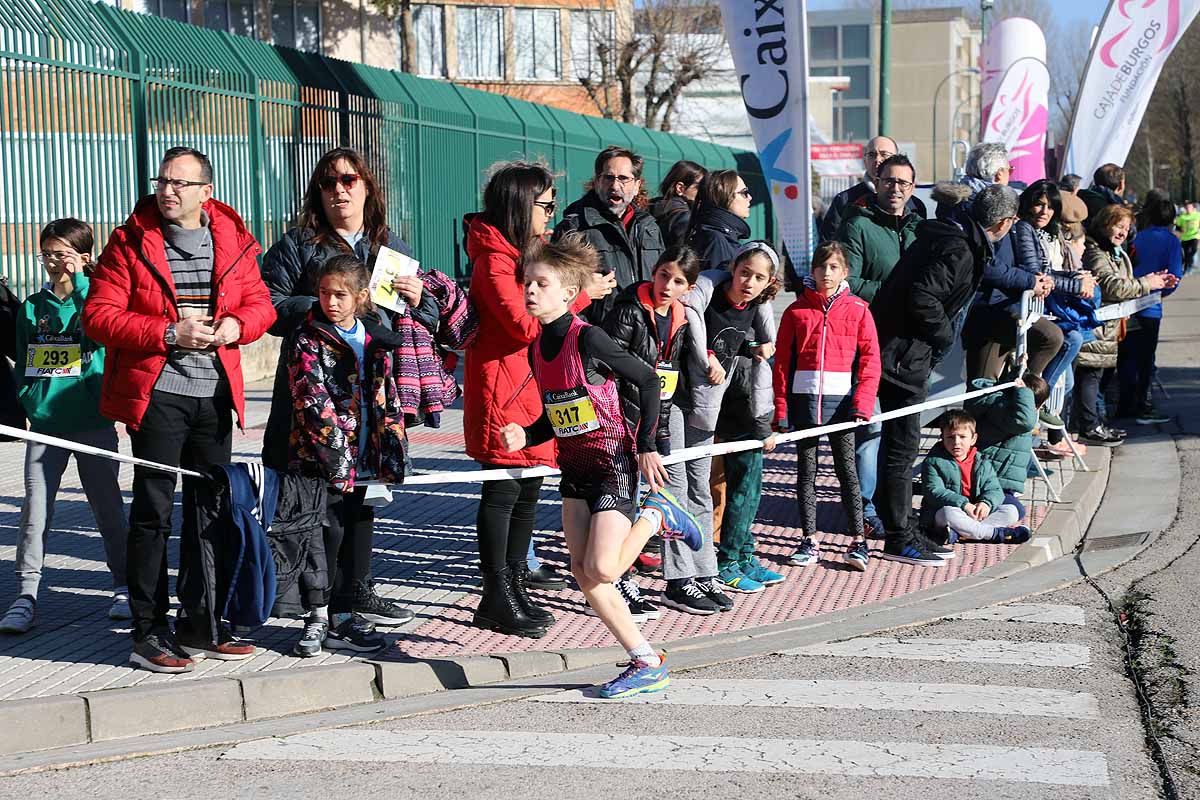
<point>595,446</point>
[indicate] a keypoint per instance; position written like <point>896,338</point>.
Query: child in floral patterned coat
<point>347,426</point>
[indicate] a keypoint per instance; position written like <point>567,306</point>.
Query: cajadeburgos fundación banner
<point>1135,39</point>
<point>769,42</point>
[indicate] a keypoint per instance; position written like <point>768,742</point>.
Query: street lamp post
<point>936,92</point>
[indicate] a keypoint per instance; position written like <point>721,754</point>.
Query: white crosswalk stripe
<point>964,651</point>
<point>1043,613</point>
<point>689,753</point>
<point>855,695</point>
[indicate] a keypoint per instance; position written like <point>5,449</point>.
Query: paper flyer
<point>390,265</point>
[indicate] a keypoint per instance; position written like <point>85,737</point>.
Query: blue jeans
<point>866,462</point>
<point>1072,342</point>
<point>531,557</point>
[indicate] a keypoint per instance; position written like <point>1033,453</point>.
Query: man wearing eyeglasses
<point>174,294</point>
<point>875,236</point>
<point>626,237</point>
<point>862,194</point>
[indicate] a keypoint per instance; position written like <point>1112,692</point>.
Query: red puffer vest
<point>132,300</point>
<point>499,385</point>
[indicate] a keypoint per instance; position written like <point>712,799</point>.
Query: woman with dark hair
<point>343,212</point>
<point>518,204</point>
<point>672,209</point>
<point>719,220</point>
<point>1106,257</point>
<point>1157,248</point>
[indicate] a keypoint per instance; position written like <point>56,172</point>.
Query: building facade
<point>536,50</point>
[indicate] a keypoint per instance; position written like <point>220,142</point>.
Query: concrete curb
<point>38,724</point>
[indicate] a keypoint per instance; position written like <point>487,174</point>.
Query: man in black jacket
<point>914,312</point>
<point>627,239</point>
<point>863,193</point>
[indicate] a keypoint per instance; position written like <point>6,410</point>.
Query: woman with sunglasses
<point>342,213</point>
<point>719,221</point>
<point>518,204</point>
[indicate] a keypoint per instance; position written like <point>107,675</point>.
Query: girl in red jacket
<point>826,372</point>
<point>518,204</point>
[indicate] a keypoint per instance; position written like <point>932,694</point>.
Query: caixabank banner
<point>768,40</point>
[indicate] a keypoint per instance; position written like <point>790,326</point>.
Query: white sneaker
<point>120,604</point>
<point>20,616</point>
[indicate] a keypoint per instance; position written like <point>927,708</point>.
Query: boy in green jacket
<point>963,498</point>
<point>59,372</point>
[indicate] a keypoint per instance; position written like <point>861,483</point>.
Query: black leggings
<point>349,536</point>
<point>806,481</point>
<point>504,524</point>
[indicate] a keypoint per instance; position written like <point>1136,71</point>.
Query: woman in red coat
<point>518,204</point>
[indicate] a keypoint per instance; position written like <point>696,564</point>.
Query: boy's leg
<point>1003,517</point>
<point>99,477</point>
<point>44,467</point>
<point>590,540</point>
<point>843,464</point>
<point>971,529</point>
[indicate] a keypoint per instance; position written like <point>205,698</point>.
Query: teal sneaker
<point>677,522</point>
<point>638,678</point>
<point>736,580</point>
<point>753,568</point>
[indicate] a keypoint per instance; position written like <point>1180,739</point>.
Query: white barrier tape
<point>692,453</point>
<point>1128,308</point>
<point>479,476</point>
<point>54,441</point>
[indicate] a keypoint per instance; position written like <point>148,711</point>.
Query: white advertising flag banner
<point>1018,118</point>
<point>769,43</point>
<point>1127,57</point>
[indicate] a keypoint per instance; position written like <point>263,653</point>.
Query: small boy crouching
<point>963,498</point>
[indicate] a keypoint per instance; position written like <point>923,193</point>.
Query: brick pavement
<point>425,557</point>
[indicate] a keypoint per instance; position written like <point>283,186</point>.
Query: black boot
<point>520,577</point>
<point>499,610</point>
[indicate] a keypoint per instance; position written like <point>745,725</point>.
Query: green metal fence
<point>90,96</point>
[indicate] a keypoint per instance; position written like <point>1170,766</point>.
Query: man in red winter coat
<point>175,292</point>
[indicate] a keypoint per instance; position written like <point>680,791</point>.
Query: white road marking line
<point>852,695</point>
<point>1044,613</point>
<point>963,651</point>
<point>690,753</point>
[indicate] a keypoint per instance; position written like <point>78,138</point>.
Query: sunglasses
<point>330,182</point>
<point>546,205</point>
<point>744,193</point>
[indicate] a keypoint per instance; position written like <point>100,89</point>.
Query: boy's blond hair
<point>571,258</point>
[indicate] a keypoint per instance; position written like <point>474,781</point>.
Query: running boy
<point>574,366</point>
<point>826,372</point>
<point>60,390</point>
<point>963,498</point>
<point>649,321</point>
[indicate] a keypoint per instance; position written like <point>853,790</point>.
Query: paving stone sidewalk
<point>425,557</point>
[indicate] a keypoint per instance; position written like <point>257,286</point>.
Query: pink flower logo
<point>1151,10</point>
